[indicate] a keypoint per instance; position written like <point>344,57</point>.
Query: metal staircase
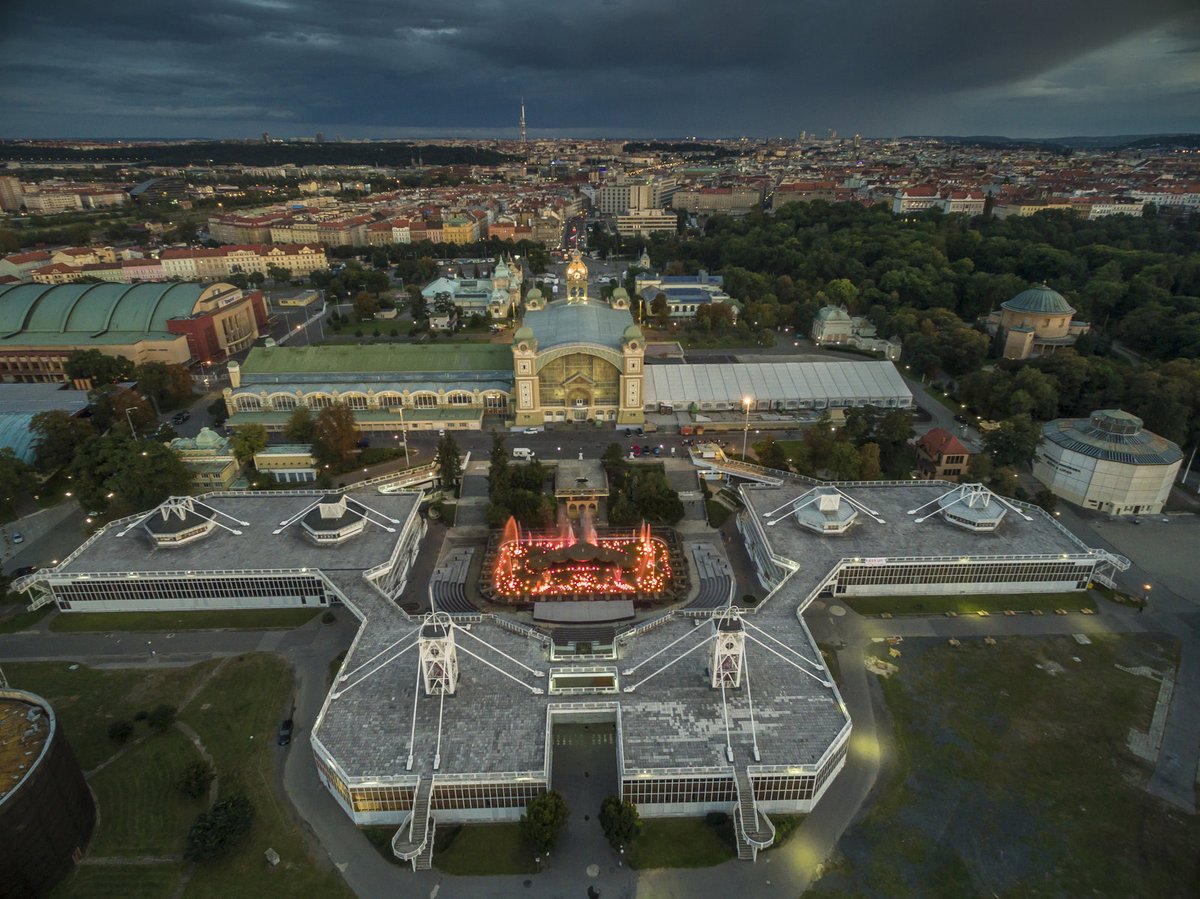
<point>413,842</point>
<point>752,828</point>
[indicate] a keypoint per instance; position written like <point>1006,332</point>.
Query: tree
<point>16,478</point>
<point>300,425</point>
<point>448,461</point>
<point>365,305</point>
<point>278,274</point>
<point>376,282</point>
<point>619,820</point>
<point>544,817</point>
<point>248,440</point>
<point>97,367</point>
<point>844,461</point>
<point>660,310</point>
<point>417,306</point>
<point>58,435</point>
<point>161,717</point>
<point>979,467</point>
<point>1014,442</point>
<point>771,454</point>
<point>116,407</point>
<point>869,466</point>
<point>120,730</point>
<point>196,778</point>
<point>219,829</point>
<point>125,476</point>
<point>335,434</point>
<point>169,385</point>
<point>613,458</point>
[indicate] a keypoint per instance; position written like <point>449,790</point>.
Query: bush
<point>750,599</point>
<point>120,731</point>
<point>161,717</point>
<point>220,829</point>
<point>196,777</point>
<point>620,821</point>
<point>328,618</point>
<point>544,817</point>
<point>716,819</point>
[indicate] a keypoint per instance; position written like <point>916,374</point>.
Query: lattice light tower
<point>728,650</point>
<point>439,657</point>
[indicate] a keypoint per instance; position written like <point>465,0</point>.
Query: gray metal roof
<point>562,323</point>
<point>1114,436</point>
<point>858,382</point>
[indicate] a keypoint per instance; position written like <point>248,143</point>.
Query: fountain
<point>561,565</point>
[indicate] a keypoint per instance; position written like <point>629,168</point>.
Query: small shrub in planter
<point>750,599</point>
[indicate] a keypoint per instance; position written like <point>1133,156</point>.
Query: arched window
<point>425,400</point>
<point>319,401</point>
<point>355,400</point>
<point>283,402</point>
<point>458,398</point>
<point>390,401</point>
<point>247,403</point>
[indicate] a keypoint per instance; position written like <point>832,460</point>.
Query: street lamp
<point>745,426</point>
<point>1146,588</point>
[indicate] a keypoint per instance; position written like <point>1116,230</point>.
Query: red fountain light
<point>528,565</point>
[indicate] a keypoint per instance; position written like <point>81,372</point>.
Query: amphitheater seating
<point>448,584</point>
<point>714,576</point>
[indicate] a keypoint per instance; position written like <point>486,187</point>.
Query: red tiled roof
<point>940,442</point>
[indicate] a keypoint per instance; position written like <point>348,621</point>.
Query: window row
<point>287,402</point>
<point>189,588</point>
<point>485,795</point>
<point>382,799</point>
<point>964,573</point>
<point>704,790</point>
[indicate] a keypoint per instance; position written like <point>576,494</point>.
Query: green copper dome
<point>1040,300</point>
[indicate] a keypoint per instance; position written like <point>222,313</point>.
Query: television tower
<point>522,123</point>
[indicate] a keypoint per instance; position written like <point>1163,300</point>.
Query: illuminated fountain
<point>621,563</point>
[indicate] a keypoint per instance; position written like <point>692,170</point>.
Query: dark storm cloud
<point>233,67</point>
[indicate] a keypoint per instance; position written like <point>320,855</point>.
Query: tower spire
<point>522,123</point>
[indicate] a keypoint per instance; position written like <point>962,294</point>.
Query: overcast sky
<point>399,68</point>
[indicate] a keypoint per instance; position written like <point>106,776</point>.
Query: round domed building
<point>1107,462</point>
<point>46,809</point>
<point>1036,322</point>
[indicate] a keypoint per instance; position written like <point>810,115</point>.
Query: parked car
<point>645,449</point>
<point>658,450</point>
<point>24,570</point>
<point>181,416</point>
<point>285,732</point>
<point>637,450</point>
<point>18,537</point>
<point>531,431</point>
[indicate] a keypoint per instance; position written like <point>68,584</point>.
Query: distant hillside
<point>1084,142</point>
<point>394,154</point>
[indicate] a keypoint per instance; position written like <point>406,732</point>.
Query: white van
<point>521,452</point>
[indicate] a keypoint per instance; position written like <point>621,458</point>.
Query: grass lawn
<point>681,843</point>
<point>718,513</point>
<point>15,617</point>
<point>237,716</point>
<point>142,809</point>
<point>1009,776</point>
<point>87,700</point>
<point>236,713</point>
<point>120,882</point>
<point>482,849</point>
<point>182,621</point>
<point>968,604</point>
<point>335,665</point>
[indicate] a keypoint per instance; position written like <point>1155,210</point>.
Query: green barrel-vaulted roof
<point>84,310</point>
<point>1040,300</point>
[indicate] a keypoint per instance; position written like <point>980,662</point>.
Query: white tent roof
<point>850,383</point>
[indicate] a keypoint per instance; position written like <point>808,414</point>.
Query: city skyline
<point>236,68</point>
